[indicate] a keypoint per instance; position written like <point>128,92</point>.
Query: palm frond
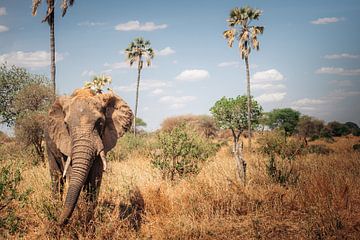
<point>35,6</point>
<point>64,7</point>
<point>230,36</point>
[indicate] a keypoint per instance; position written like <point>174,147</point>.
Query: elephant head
<point>84,127</point>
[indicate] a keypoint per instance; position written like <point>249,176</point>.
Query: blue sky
<point>309,56</point>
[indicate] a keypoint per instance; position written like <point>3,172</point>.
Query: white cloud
<point>157,91</point>
<point>267,86</point>
<point>145,85</point>
<point>137,26</point>
<point>177,102</point>
<point>326,20</point>
<point>271,97</point>
<point>308,101</point>
<point>344,83</point>
<point>165,52</point>
<point>3,28</point>
<point>342,56</point>
<point>341,94</point>
<point>90,24</point>
<point>338,71</point>
<point>229,64</point>
<point>2,11</point>
<point>117,65</point>
<point>269,75</point>
<point>88,73</point>
<point>37,59</point>
<point>193,75</point>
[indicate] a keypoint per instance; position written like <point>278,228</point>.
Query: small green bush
<point>10,179</point>
<point>180,151</point>
<point>281,152</point>
<point>274,144</point>
<point>126,145</point>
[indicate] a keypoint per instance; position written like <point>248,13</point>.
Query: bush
<point>319,149</point>
<point>356,147</point>
<point>202,124</point>
<point>281,152</point>
<point>338,129</point>
<point>274,144</point>
<point>179,152</point>
<point>126,145</point>
<point>10,196</point>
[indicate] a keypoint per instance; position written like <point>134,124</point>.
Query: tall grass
<point>135,202</point>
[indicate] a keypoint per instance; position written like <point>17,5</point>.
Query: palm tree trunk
<point>248,100</point>
<point>52,47</point>
<point>137,95</point>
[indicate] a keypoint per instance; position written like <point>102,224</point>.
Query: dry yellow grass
<point>324,204</point>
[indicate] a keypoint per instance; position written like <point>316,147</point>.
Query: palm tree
<point>138,50</point>
<point>50,18</point>
<point>240,29</point>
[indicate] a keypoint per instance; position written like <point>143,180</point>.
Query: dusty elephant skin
<point>82,128</point>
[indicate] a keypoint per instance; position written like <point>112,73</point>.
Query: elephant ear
<point>118,119</point>
<point>57,128</point>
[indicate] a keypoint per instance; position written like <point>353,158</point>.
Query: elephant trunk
<point>83,152</point>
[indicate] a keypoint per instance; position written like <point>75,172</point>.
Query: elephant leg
<point>56,168</point>
<point>92,187</point>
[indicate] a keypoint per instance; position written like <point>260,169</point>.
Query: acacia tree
<point>240,29</point>
<point>284,119</point>
<point>50,19</point>
<point>232,114</point>
<point>138,51</point>
<point>309,127</point>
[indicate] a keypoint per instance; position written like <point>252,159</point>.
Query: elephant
<point>81,129</point>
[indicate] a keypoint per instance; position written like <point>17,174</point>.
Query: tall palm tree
<point>240,28</point>
<point>138,51</point>
<point>50,19</point>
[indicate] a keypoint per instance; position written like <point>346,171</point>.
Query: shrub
<point>179,152</point>
<point>280,153</point>
<point>338,129</point>
<point>10,196</point>
<point>126,145</point>
<point>319,149</point>
<point>274,144</point>
<point>356,147</point>
<point>202,124</point>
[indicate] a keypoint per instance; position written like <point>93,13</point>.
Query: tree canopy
<point>285,119</point>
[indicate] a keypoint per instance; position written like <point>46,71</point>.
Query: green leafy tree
<point>32,104</point>
<point>240,29</point>
<point>284,119</point>
<point>138,51</point>
<point>232,114</point>
<point>338,129</point>
<point>50,19</point>
<point>12,80</point>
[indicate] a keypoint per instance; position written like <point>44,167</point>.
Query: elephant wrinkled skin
<point>81,129</point>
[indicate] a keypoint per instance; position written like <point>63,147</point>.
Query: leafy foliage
<point>280,154</point>
<point>240,29</point>
<point>126,145</point>
<point>285,119</point>
<point>12,80</point>
<point>139,49</point>
<point>98,83</point>
<point>338,129</point>
<point>11,196</point>
<point>232,113</point>
<point>179,152</point>
<point>309,127</point>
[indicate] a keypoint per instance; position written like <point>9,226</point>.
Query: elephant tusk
<point>67,164</point>
<point>103,159</point>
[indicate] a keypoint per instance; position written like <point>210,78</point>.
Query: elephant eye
<point>99,125</point>
<point>67,127</point>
